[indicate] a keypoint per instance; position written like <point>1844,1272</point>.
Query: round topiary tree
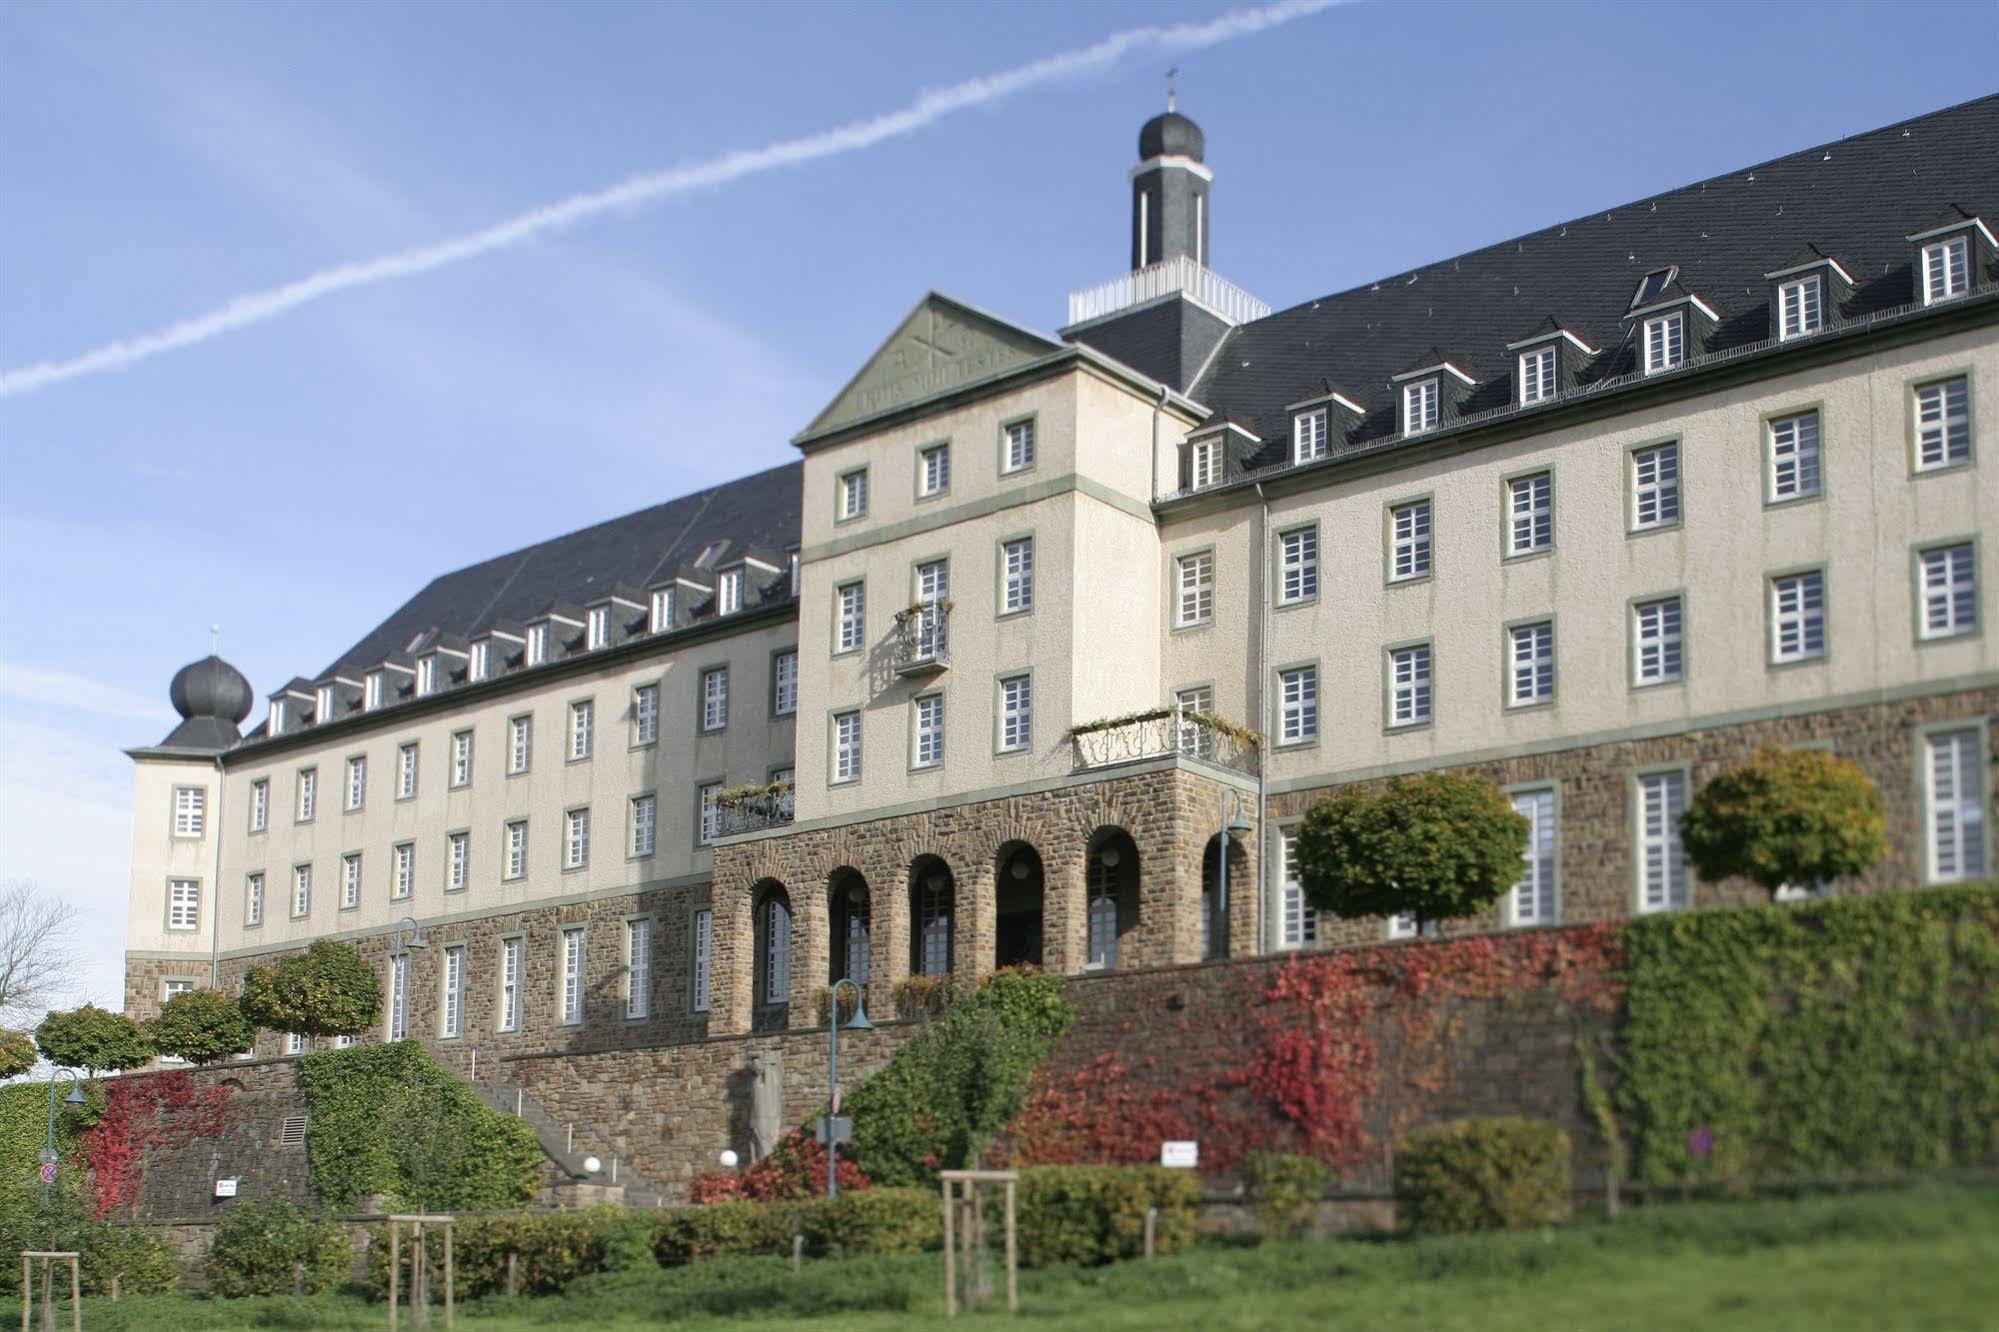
<point>1436,846</point>
<point>201,1026</point>
<point>92,1039</point>
<point>17,1053</point>
<point>325,991</point>
<point>1787,816</point>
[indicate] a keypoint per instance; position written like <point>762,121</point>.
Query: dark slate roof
<point>1857,199</point>
<point>759,512</point>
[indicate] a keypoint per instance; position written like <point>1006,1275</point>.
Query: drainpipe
<point>1263,715</point>
<point>1157,408</point>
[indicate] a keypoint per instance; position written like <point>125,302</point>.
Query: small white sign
<point>1180,1155</point>
<point>225,1188</point>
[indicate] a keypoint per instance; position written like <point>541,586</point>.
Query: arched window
<point>1110,880</point>
<point>852,949</point>
<point>931,903</point>
<point>1017,906</point>
<point>774,949</point>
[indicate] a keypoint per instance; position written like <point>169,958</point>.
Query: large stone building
<point>1594,511</point>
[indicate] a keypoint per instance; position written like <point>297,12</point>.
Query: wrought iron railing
<point>1180,274</point>
<point>755,810</point>
<point>923,637</point>
<point>1163,733</point>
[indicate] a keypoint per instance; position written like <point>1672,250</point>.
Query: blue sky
<point>296,480</point>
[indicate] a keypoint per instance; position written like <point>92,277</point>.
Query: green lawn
<point>1917,1258</point>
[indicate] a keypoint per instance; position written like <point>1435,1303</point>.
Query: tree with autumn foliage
<point>94,1040</point>
<point>17,1054</point>
<point>202,1027</point>
<point>328,990</point>
<point>1436,846</point>
<point>1786,816</point>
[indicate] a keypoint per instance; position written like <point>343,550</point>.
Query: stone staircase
<point>567,1146</point>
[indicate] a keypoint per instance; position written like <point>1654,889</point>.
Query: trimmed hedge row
<point>1096,1214</point>
<point>1483,1174</point>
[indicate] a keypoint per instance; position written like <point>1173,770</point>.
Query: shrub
<point>1436,846</point>
<point>260,1248</point>
<point>921,996</point>
<point>141,1262</point>
<point>1283,1188</point>
<point>550,1250</point>
<point>92,1039</point>
<point>327,990</point>
<point>201,1026</point>
<point>1096,1214</point>
<point>1787,816</point>
<point>17,1054</point>
<point>796,1168</point>
<point>722,1229</point>
<point>1483,1174</point>
<point>874,1221</point>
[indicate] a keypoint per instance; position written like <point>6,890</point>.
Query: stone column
<point>888,905</point>
<point>974,923</point>
<point>732,952</point>
<point>1064,912</point>
<point>811,942</point>
<point>1246,897</point>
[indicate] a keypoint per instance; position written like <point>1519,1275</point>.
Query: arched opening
<point>1017,906</point>
<point>932,906</point>
<point>1218,889</point>
<point>1110,884</point>
<point>773,961</point>
<point>851,955</point>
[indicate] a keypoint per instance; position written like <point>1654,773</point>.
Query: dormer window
<point>426,676</point>
<point>597,627</point>
<point>1801,305</point>
<point>322,705</point>
<point>1665,342</point>
<point>537,649</point>
<point>1537,375</point>
<point>479,661</point>
<point>1206,463</point>
<point>662,610</point>
<point>1946,269</point>
<point>1420,407</point>
<point>729,592</point>
<point>277,716</point>
<point>1308,435</point>
<point>371,691</point>
<point>793,570</point>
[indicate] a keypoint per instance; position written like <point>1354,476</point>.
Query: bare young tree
<point>37,963</point>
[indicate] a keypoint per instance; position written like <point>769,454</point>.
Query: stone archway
<point>775,949</point>
<point>1110,897</point>
<point>850,955</point>
<point>933,905</point>
<point>1019,903</point>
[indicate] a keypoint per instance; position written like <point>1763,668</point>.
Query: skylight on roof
<point>1653,285</point>
<point>709,554</point>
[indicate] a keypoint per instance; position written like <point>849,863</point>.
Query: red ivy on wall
<point>796,1168</point>
<point>161,1112</point>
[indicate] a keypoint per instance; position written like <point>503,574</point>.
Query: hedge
<point>1096,1214</point>
<point>272,1247</point>
<point>1283,1188</point>
<point>1848,1035</point>
<point>141,1263</point>
<point>1482,1174</point>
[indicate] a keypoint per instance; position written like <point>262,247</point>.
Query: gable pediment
<point>942,345</point>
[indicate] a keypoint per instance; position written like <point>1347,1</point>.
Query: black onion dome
<point>1171,135</point>
<point>211,688</point>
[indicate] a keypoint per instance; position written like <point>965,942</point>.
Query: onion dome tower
<point>1169,192</point>
<point>212,698</point>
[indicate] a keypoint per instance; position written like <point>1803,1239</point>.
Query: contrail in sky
<point>256,307</point>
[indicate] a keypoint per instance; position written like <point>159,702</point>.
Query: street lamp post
<point>831,1122</point>
<point>399,992</point>
<point>50,1157</point>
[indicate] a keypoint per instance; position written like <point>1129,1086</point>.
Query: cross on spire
<point>214,640</point>
<point>1172,97</point>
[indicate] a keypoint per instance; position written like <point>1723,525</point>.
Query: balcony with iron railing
<point>1166,733</point>
<point>923,638</point>
<point>747,809</point>
<point>1176,276</point>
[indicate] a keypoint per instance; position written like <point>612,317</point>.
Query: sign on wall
<point>1180,1155</point>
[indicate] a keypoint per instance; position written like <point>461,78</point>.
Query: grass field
<point>1909,1259</point>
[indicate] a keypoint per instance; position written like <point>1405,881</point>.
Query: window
<point>933,470</point>
<point>511,951</point>
<point>537,649</point>
<point>582,728</point>
<point>852,605</point>
<point>597,627</point>
<point>1205,463</point>
<point>710,813</point>
<point>1801,306</point>
<point>190,810</point>
<point>1298,705</point>
<point>260,804</point>
<point>1532,901</point>
<point>784,683</point>
<point>451,1004</point>
<point>1797,616</point>
<point>1409,541</point>
<point>1949,591</point>
<point>426,676</point>
<point>406,756</point>
<point>661,618</point>
<point>308,794</point>
<point>1101,886</point>
<point>1298,925</point>
<point>457,862</point>
<point>1537,375</point>
<point>404,882</point>
<point>1194,739</point>
<point>1016,731</point>
<point>478,661</point>
<point>295,1044</point>
<point>1665,342</point>
<point>357,781</point>
<point>776,925</point>
<point>933,582</point>
<point>350,881</point>
<point>927,731</point>
<point>520,743</point>
<point>1794,456</point>
<point>854,495</point>
<point>1658,653</point>
<point>1308,435</point>
<point>1662,867</point>
<point>1409,696</point>
<point>576,839</point>
<point>517,849</point>
<point>461,758</point>
<point>847,747</point>
<point>729,592</point>
<point>276,725</point>
<point>1653,285</point>
<point>371,691</point>
<point>1955,798</point>
<point>1946,269</point>
<point>1419,406</point>
<point>1017,576</point>
<point>704,951</point>
<point>1655,486</point>
<point>322,704</point>
<point>645,824</point>
<point>638,969</point>
<point>183,904</point>
<point>1530,514</point>
<point>1402,927</point>
<point>301,891</point>
<point>1197,589</point>
<point>715,698</point>
<point>253,900</point>
<point>1297,566</point>
<point>1943,424</point>
<point>1017,449</point>
<point>572,976</point>
<point>1532,679</point>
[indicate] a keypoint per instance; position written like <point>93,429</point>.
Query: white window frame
<point>513,951</point>
<point>478,661</point>
<point>1298,705</point>
<point>253,899</point>
<point>1801,307</point>
<point>520,743</point>
<point>597,628</point>
<point>702,973</point>
<point>1659,640</point>
<point>729,592</point>
<point>1665,342</point>
<point>638,968</point>
<point>582,729</point>
<point>784,683</point>
<point>407,757</point>
<point>1422,406</point>
<point>1947,590</point>
<point>573,960</point>
<point>1309,435</point>
<point>514,849</point>
<point>307,803</point>
<point>714,699</point>
<point>322,704</point>
<point>1411,538</point>
<point>846,765</point>
<point>183,905</point>
<point>357,782</point>
<point>853,495</point>
<point>371,691</point>
<point>350,880</point>
<point>1411,685</point>
<point>850,612</point>
<point>708,814</point>
<point>1536,899</point>
<point>1194,601</point>
<point>1016,728</point>
<point>926,727</point>
<point>1956,837</point>
<point>576,838</point>
<point>260,804</point>
<point>537,644</point>
<point>1658,799</point>
<point>461,759</point>
<point>1017,446</point>
<point>659,617</point>
<point>398,1014</point>
<point>1942,423</point>
<point>403,870</point>
<point>1298,919</point>
<point>190,811</point>
<point>933,469</point>
<point>426,676</point>
<point>644,809</point>
<point>451,992</point>
<point>1655,478</point>
<point>1537,376</point>
<point>1298,565</point>
<point>1530,669</point>
<point>1204,466</point>
<point>1194,739</point>
<point>457,862</point>
<point>1946,269</point>
<point>1798,615</point>
<point>1530,514</point>
<point>1794,457</point>
<point>301,903</point>
<point>645,714</point>
<point>1017,575</point>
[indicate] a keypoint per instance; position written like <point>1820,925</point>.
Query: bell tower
<point>1169,192</point>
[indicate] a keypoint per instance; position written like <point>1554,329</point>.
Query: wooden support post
<point>75,1296</point>
<point>450,1291</point>
<point>395,1269</point>
<point>797,1254</point>
<point>1151,1229</point>
<point>513,1274</point>
<point>1012,1256</point>
<point>950,1256</point>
